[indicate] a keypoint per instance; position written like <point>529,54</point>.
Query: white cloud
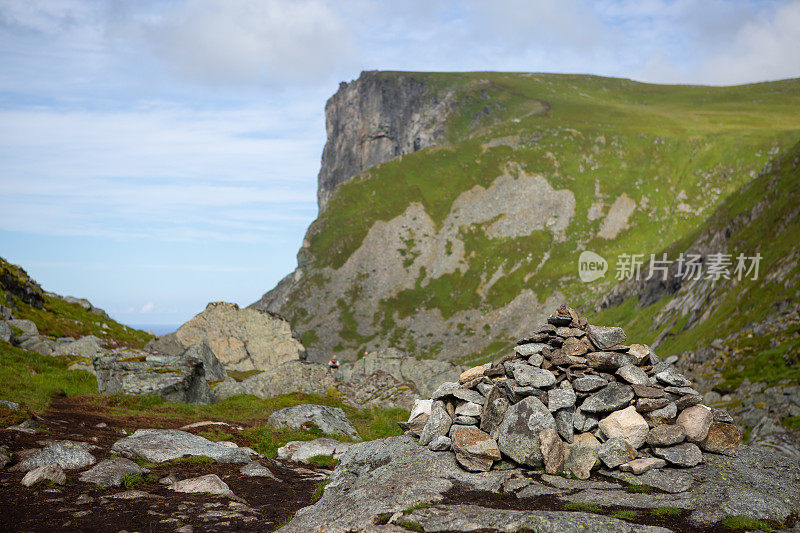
<point>765,47</point>
<point>229,42</point>
<point>149,307</point>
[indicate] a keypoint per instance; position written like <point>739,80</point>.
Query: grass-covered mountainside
<point>454,250</point>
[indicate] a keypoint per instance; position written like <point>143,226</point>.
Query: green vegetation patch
<point>665,511</point>
<point>32,380</point>
<point>744,523</point>
<point>324,460</point>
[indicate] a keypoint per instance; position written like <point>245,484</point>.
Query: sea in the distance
<point>158,329</point>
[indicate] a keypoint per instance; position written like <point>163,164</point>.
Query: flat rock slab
<point>668,479</point>
<point>256,469</point>
<point>446,518</point>
<point>331,420</point>
<point>112,472</point>
<point>209,484</point>
<point>303,450</point>
<point>159,445</point>
<point>68,455</point>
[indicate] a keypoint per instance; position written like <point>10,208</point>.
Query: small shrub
<point>745,523</point>
<point>587,507</point>
<point>323,460</point>
<point>627,514</point>
<point>133,481</point>
<point>411,525</point>
<point>319,491</point>
<point>666,511</point>
<point>418,505</point>
<point>637,489</point>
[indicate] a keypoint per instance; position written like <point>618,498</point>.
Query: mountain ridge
<point>474,233</point>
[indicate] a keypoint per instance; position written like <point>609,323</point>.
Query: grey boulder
<point>330,420</point>
<point>159,445</point>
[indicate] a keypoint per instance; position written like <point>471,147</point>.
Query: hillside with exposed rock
<point>451,205</point>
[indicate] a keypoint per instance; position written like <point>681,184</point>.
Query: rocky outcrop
<point>159,445</point>
<point>173,378</point>
<point>376,118</point>
<point>398,482</point>
<point>330,420</point>
<point>292,376</point>
<point>16,282</point>
<point>423,374</point>
<point>241,339</point>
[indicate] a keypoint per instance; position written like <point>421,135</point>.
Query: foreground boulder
<point>67,455</point>
<point>112,472</point>
<point>330,420</point>
<point>159,445</point>
<point>173,378</point>
<point>390,477</point>
<point>242,339</point>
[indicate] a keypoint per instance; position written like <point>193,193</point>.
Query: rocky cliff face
<point>454,207</point>
<point>376,118</point>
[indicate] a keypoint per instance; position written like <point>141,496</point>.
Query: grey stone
<point>616,451</point>
<point>462,420</point>
<point>49,472</point>
<point>673,377</point>
<point>130,371</point>
<point>159,445</point>
<point>721,415</point>
<point>687,401</point>
<point>526,350</point>
<point>68,455</point>
<point>633,375</point>
<point>27,327</point>
<point>531,376</point>
<point>256,469</point>
<point>13,406</point>
<point>642,465</point>
<point>686,454</point>
<point>469,409</point>
<point>330,420</point>
<point>666,435</point>
<point>581,456</point>
<point>560,398</point>
<point>446,518</point>
<point>208,484</point>
<point>213,368</point>
<point>5,331</point>
<point>646,405</point>
<point>665,415</point>
<point>440,444</point>
<point>584,422</point>
<point>87,346</point>
<point>303,450</point>
<point>681,391</point>
<point>667,479</point>
<point>518,434</point>
<point>438,424</point>
<point>111,472</point>
<point>612,397</point>
<point>644,391</point>
<point>494,410</point>
<point>610,361</point>
<point>565,422</point>
<point>589,383</point>
<point>605,337</point>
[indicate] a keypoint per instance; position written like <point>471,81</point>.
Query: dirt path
<point>77,506</point>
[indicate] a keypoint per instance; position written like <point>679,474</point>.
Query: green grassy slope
<point>677,151</point>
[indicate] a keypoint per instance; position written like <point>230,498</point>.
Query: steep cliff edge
<point>468,210</point>
<point>374,119</point>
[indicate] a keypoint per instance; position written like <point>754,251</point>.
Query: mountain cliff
<point>454,207</point>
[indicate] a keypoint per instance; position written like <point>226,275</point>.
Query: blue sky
<point>157,155</point>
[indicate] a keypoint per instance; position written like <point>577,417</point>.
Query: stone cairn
<point>571,397</point>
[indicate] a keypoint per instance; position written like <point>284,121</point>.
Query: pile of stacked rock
<point>571,397</point>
